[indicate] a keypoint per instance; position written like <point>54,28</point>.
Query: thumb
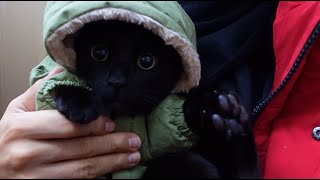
<point>26,101</point>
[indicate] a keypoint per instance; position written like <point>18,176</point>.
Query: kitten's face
<point>128,67</point>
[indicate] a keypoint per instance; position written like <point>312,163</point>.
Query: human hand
<point>43,144</point>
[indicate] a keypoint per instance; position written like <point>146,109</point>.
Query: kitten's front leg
<point>216,112</point>
<point>78,104</point>
<point>226,137</point>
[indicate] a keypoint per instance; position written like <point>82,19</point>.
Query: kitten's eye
<point>99,53</point>
<point>146,61</point>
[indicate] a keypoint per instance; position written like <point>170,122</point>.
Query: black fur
<point>120,86</point>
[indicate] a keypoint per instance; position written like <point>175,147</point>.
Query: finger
<point>85,147</point>
<point>224,104</point>
<point>218,122</point>
<point>26,152</point>
<point>26,101</point>
<point>234,103</point>
<point>87,168</point>
<point>235,127</point>
<point>50,124</point>
<point>244,117</point>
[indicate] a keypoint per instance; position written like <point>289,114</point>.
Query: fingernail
<point>224,103</point>
<point>109,126</point>
<point>134,142</point>
<point>134,157</point>
<point>217,122</point>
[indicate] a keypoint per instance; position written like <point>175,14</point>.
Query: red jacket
<point>286,144</point>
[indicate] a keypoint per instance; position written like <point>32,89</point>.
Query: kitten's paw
<point>226,137</point>
<point>77,104</point>
<point>231,117</point>
<point>215,112</point>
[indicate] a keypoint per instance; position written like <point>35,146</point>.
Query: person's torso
<point>292,149</point>
<point>286,144</point>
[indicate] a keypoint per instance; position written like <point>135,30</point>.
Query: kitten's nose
<point>117,82</point>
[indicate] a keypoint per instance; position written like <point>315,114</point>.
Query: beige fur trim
<point>66,55</point>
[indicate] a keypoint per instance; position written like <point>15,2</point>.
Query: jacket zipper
<point>261,106</point>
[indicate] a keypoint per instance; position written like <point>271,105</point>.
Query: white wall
<point>21,46</point>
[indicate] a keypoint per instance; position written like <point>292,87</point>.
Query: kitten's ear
<point>69,43</point>
<point>70,39</point>
<point>78,104</point>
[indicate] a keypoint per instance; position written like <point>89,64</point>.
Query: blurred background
<point>21,46</point>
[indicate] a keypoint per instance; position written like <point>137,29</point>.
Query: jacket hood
<point>166,19</point>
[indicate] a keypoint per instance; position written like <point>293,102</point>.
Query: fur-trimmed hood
<point>166,19</point>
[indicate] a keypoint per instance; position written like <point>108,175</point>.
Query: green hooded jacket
<point>164,129</point>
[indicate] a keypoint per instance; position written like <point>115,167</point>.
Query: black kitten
<point>130,71</point>
<point>128,67</point>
